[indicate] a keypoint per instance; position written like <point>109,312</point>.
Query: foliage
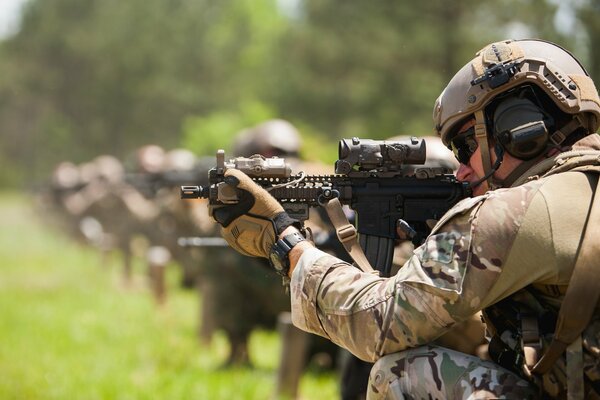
<point>84,77</point>
<point>205,135</point>
<point>71,331</point>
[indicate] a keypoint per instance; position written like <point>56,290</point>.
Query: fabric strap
<point>347,235</point>
<point>484,145</point>
<point>560,135</point>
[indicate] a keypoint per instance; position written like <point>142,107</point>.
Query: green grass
<point>70,330</point>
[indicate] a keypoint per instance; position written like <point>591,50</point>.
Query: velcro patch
<point>587,89</point>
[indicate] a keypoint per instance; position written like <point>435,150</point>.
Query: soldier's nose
<point>463,172</point>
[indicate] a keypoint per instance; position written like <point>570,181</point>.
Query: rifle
<point>371,177</point>
<point>198,241</point>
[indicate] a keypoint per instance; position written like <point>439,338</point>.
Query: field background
<point>69,329</point>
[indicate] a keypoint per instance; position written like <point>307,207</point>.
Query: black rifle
<point>199,241</point>
<point>374,178</point>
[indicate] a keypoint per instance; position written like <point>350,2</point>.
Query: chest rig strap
<point>577,307</point>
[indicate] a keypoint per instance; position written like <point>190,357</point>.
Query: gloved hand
<point>253,224</point>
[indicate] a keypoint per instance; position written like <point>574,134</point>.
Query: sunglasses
<point>464,145</point>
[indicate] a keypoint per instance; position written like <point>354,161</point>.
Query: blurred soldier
<point>177,219</point>
<point>119,208</point>
<point>275,137</point>
<point>52,202</point>
<point>279,138</point>
<point>230,279</point>
<point>158,175</point>
<point>96,206</point>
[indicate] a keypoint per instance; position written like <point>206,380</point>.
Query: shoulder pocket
<point>441,260</point>
<point>437,261</point>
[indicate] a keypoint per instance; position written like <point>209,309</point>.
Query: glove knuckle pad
<point>250,235</point>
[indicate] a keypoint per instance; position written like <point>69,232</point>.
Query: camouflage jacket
<point>484,249</point>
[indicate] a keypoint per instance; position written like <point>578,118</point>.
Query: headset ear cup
<point>520,128</point>
<point>504,139</point>
<point>529,141</point>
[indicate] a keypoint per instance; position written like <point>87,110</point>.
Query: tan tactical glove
<point>252,225</point>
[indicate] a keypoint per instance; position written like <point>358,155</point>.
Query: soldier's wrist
<point>296,252</point>
<point>288,231</point>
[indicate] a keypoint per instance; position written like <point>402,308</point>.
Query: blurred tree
<point>88,76</point>
<point>589,15</point>
<point>206,134</point>
<point>371,68</point>
<point>375,68</point>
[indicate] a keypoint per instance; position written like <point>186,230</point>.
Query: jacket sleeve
<point>445,281</point>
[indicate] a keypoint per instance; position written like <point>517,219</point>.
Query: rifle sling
<point>578,305</point>
<point>347,235</point>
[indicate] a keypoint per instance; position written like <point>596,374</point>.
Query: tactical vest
<point>522,326</point>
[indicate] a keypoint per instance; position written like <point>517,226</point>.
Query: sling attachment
<point>346,233</point>
<point>577,308</point>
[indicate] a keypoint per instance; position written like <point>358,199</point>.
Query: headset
<point>519,123</point>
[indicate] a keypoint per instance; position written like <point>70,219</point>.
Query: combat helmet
<point>109,168</point>
<point>513,89</point>
<point>179,160</point>
<point>272,137</point>
<point>150,159</point>
<point>65,176</point>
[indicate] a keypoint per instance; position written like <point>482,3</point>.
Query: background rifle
<point>149,183</point>
<point>198,241</point>
<point>371,177</point>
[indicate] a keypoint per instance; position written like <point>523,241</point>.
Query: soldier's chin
<point>478,188</point>
<point>478,192</point>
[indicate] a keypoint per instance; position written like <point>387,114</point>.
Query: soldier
<point>466,336</point>
<point>53,201</point>
<point>521,119</point>
<point>229,279</point>
<point>225,301</point>
<point>118,207</point>
<point>157,175</point>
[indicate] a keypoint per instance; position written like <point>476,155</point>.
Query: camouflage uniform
<point>485,249</point>
<point>466,336</point>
